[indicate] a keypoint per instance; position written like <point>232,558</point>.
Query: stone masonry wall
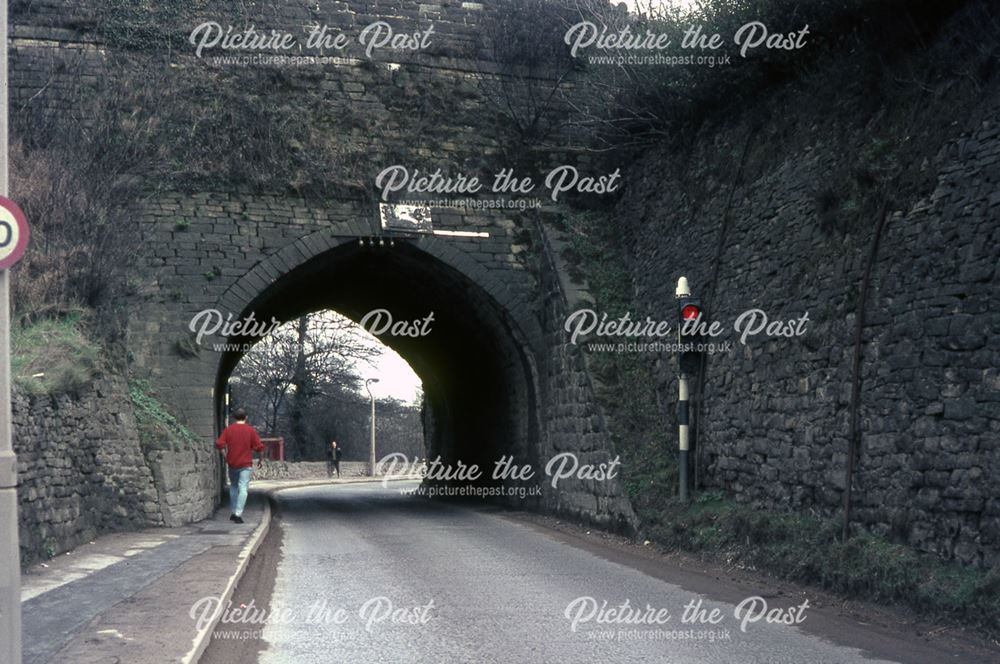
<point>307,470</point>
<point>573,420</point>
<point>200,244</point>
<point>774,425</point>
<point>80,469</point>
<point>186,481</point>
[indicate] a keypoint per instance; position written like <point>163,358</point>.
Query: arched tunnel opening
<point>477,374</point>
<point>312,381</point>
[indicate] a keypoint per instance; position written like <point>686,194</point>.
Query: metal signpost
<point>13,240</point>
<point>371,457</point>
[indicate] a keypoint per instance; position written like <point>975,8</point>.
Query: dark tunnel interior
<point>477,378</point>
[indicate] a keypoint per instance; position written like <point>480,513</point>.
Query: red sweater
<point>240,440</point>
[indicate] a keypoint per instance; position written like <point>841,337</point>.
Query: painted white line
<point>80,568</point>
<point>150,543</point>
<point>461,233</point>
<point>34,584</point>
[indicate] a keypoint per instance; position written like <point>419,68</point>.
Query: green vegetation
<point>53,356</point>
<point>808,550</point>
<point>186,347</point>
<point>651,103</point>
<point>637,424</point>
<point>800,548</point>
<point>158,429</point>
<point>150,24</point>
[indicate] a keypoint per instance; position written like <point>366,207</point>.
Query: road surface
<point>367,574</point>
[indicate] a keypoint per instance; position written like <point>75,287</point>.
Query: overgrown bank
<point>800,547</point>
<point>809,550</point>
<point>775,204</point>
<point>95,454</point>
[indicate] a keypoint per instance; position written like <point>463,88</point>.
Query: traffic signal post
<point>683,412</point>
<point>688,314</point>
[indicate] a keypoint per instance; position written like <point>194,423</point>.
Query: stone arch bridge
<point>499,377</point>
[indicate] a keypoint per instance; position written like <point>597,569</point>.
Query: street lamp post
<point>231,397</point>
<point>371,452</point>
<point>10,566</point>
<point>227,411</point>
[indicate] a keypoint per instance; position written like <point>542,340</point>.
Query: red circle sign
<point>13,233</point>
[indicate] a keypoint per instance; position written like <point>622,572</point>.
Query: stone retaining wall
<point>774,428</point>
<point>573,420</point>
<point>306,470</point>
<point>82,471</point>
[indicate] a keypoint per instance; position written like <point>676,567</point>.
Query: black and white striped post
<point>683,425</point>
<point>689,310</point>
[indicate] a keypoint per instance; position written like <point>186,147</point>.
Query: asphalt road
<point>369,575</point>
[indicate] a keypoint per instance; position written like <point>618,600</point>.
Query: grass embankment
<point>799,548</point>
<point>56,356</point>
<point>53,356</point>
<point>809,550</point>
<point>158,429</point>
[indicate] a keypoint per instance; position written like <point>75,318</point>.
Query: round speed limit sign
<point>13,233</point>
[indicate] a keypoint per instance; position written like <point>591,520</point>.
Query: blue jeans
<point>239,481</point>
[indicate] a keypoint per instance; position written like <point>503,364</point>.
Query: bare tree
<point>306,362</point>
<point>74,176</point>
<point>527,63</point>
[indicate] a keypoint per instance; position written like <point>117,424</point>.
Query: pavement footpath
<point>128,597</point>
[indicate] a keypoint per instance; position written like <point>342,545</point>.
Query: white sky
<point>396,378</point>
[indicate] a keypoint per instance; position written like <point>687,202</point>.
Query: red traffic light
<point>690,311</point>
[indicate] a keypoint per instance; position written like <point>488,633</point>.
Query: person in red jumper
<point>240,440</point>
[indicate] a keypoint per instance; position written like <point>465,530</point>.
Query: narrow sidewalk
<point>128,597</point>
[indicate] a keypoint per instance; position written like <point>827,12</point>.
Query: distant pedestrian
<point>333,454</point>
<point>240,440</point>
